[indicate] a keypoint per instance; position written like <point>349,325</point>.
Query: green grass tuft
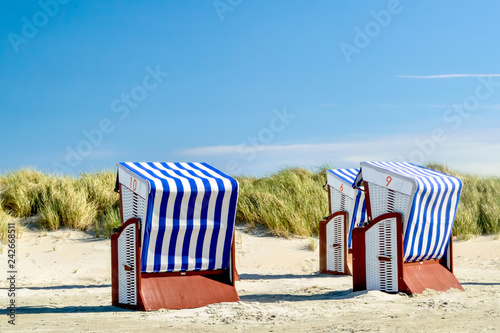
<point>82,203</point>
<point>4,219</point>
<point>289,202</point>
<point>109,220</point>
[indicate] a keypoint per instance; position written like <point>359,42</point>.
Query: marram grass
<point>83,203</point>
<point>290,202</point>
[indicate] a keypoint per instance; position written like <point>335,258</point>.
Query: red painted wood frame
<point>329,201</point>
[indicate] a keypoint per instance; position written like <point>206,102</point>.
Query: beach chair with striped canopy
<point>407,245</point>
<point>347,210</point>
<point>175,248</point>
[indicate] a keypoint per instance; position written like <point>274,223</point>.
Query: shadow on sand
<point>286,276</point>
<point>73,286</point>
<point>22,310</point>
<point>480,283</point>
<point>330,295</point>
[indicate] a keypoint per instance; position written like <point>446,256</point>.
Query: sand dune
<point>64,285</point>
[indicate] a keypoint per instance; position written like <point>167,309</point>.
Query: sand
<point>63,284</point>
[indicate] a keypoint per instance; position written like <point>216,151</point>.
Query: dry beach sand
<point>64,285</point>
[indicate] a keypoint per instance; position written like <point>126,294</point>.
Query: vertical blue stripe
<point>217,223</point>
<point>175,224</point>
<point>230,223</point>
<point>417,231</point>
<point>436,220</point>
<point>450,216</point>
<point>445,236</point>
<point>162,224</point>
<point>354,216</point>
<point>217,215</point>
<point>432,222</point>
<point>363,213</point>
<point>407,243</point>
<point>231,217</point>
<point>203,224</point>
<point>193,193</point>
<point>147,227</point>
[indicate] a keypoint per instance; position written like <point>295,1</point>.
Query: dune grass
<point>84,203</point>
<point>4,218</point>
<point>290,202</point>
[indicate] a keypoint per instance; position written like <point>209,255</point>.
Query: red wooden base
<point>428,275</point>
<point>183,292</point>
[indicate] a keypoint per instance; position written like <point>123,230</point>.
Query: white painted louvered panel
<point>133,205</point>
<point>335,244</point>
<point>127,282</point>
<point>381,243</point>
<point>339,202</point>
<point>384,200</point>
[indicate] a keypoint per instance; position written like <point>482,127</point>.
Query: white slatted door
<point>127,261</point>
<point>335,244</point>
<point>381,256</point>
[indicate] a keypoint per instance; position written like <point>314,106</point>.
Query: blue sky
<point>249,86</point>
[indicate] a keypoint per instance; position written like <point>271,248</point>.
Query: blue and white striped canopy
<point>348,175</point>
<point>190,216</point>
<point>434,200</point>
<point>357,213</point>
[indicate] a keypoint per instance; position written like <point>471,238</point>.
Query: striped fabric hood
<point>433,201</point>
<point>190,214</point>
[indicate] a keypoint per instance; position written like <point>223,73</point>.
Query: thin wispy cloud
<point>378,144</point>
<point>446,76</point>
<point>436,106</point>
<point>474,151</point>
<point>385,106</point>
